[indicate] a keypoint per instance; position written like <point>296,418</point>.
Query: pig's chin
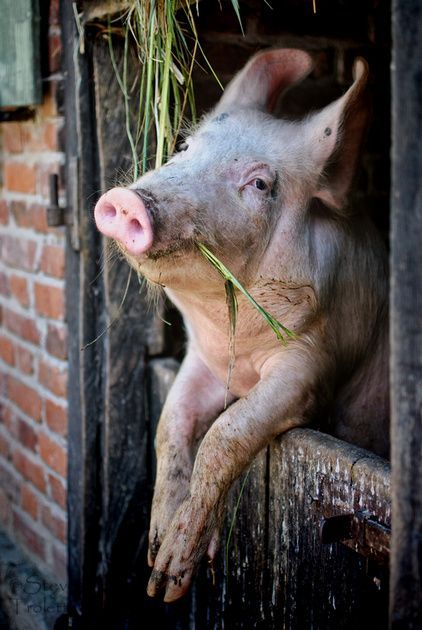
<point>162,265</point>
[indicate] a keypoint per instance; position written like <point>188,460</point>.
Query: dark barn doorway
<point>288,562</point>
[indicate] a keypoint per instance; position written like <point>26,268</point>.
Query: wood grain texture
<point>278,574</point>
<point>133,332</point>
<point>406,316</point>
<point>84,317</point>
<point>314,476</point>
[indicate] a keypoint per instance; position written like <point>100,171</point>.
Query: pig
<point>269,197</point>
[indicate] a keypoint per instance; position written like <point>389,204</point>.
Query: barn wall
<point>335,35</point>
<point>33,346</point>
<point>33,352</point>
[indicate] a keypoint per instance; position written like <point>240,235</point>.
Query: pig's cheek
<point>256,206</point>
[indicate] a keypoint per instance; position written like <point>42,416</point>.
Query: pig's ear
<point>263,79</point>
<point>335,136</point>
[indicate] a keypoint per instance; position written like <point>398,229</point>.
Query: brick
<point>31,470</point>
<point>31,136</point>
<point>60,564</point>
<point>20,213</point>
<point>6,418</point>
<point>4,284</point>
<point>43,181</point>
<point>19,289</point>
<point>53,378</point>
<point>25,398</point>
<point>12,137</point>
<point>50,136</point>
<point>10,483</point>
<point>26,435</point>
<point>56,417</point>
<point>57,491</point>
<point>24,360</point>
<point>21,326</point>
<point>49,301</point>
<point>19,252</point>
<point>53,454</point>
<point>3,385</point>
<point>52,261</point>
<point>56,341</point>
<point>30,538</point>
<point>55,523</point>
<point>20,177</point>
<point>4,212</point>
<point>30,502</point>
<point>38,214</point>
<point>5,509</point>
<point>4,447</point>
<point>7,353</point>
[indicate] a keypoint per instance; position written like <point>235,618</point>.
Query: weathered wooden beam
<point>276,571</point>
<point>406,317</point>
<point>312,477</point>
<point>100,9</point>
<point>84,317</point>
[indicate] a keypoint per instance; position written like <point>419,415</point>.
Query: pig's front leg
<point>195,400</point>
<point>283,399</point>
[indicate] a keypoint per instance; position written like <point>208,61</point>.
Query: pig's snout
<point>121,214</point>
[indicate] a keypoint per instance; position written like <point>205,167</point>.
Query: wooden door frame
<point>406,317</point>
<point>84,318</point>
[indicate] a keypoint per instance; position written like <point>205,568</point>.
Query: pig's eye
<point>260,184</point>
<point>182,146</point>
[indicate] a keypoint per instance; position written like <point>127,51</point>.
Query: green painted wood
<point>20,74</point>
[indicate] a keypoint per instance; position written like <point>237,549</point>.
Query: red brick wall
<point>33,356</point>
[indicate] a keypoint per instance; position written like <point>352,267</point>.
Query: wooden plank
<point>279,574</point>
<point>84,305</point>
<point>234,593</point>
<point>160,375</point>
<point>133,331</point>
<point>313,476</point>
<point>406,317</point>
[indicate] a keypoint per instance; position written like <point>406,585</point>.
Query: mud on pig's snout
<point>121,214</point>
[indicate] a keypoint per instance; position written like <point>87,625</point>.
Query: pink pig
<point>269,198</point>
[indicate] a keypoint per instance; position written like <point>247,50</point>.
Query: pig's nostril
<point>108,211</point>
<point>121,215</point>
<point>135,226</point>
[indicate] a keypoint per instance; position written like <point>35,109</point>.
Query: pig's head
<point>242,181</point>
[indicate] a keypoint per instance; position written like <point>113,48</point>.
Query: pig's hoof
<point>213,545</point>
<point>175,585</point>
<point>153,548</point>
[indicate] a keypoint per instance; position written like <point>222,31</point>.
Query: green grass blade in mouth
<point>231,300</point>
<point>274,324</point>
